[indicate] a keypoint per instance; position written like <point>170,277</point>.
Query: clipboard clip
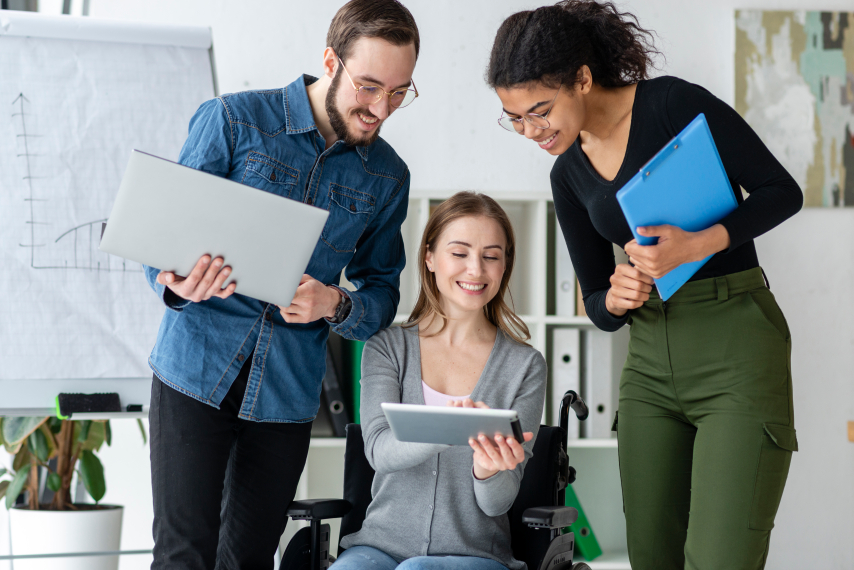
<point>662,155</point>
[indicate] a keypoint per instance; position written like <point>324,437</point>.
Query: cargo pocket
<point>775,456</point>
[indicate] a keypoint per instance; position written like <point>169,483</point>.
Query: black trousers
<point>221,484</point>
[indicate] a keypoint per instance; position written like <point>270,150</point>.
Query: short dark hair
<point>386,19</point>
<point>550,44</point>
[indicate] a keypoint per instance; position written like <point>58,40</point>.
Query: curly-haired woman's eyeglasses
<point>538,121</point>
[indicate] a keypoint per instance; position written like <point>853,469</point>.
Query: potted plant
<point>47,452</point>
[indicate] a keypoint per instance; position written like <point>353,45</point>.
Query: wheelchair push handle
<point>572,400</point>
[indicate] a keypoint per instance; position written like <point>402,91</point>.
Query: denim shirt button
<point>309,201</point>
<point>352,207</point>
<point>268,316</point>
<point>240,358</point>
<point>273,177</point>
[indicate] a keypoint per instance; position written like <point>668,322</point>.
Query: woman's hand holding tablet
<point>495,454</point>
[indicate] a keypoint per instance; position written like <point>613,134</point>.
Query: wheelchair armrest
<point>549,517</point>
<point>318,509</point>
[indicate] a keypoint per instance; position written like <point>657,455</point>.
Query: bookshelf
<point>595,459</point>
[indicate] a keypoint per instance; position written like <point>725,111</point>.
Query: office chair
<point>537,517</point>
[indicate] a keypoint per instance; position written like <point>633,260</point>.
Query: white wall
<point>452,142</point>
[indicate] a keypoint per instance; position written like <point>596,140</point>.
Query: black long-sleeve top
<point>591,219</point>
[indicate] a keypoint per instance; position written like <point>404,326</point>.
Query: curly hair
<point>550,44</point>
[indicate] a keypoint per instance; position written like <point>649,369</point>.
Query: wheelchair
<point>537,517</point>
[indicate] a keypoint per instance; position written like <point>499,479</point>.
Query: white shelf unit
<point>598,484</point>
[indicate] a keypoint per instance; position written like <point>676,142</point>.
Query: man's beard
<point>336,119</point>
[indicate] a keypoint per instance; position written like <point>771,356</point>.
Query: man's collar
<point>298,115</point>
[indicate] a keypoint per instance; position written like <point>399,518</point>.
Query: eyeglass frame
<point>526,115</point>
<point>387,93</point>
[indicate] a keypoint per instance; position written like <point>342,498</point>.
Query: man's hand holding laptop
<point>313,300</point>
<point>203,282</point>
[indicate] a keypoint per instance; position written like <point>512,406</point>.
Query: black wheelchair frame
<point>537,507</point>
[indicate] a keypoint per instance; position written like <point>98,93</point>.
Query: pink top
<point>434,398</point>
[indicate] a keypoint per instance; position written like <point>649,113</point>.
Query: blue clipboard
<point>684,185</point>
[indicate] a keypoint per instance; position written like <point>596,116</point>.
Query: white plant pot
<point>53,532</point>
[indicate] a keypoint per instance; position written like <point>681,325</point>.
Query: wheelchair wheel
<point>580,566</point>
<point>297,555</point>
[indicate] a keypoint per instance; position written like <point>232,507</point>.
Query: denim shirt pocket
<point>266,173</point>
<point>349,214</point>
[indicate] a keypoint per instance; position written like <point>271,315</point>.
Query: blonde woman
<point>437,506</point>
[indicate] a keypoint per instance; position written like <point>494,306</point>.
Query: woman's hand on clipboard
<point>203,282</point>
<point>675,246</point>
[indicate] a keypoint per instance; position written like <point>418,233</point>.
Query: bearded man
<point>237,381</point>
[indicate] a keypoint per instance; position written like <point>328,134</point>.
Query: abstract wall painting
<point>794,84</point>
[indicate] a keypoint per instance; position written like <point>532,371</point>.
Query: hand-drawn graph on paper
<point>71,112</point>
<point>794,84</point>
<point>74,248</point>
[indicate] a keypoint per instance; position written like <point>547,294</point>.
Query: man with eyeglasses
<point>237,381</point>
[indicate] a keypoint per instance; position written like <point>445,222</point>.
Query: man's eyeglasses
<point>370,94</point>
<point>538,121</point>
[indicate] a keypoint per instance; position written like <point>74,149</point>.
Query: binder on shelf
<point>565,282</point>
<point>586,544</point>
<point>322,424</point>
<point>333,397</point>
<point>352,376</point>
<point>600,370</point>
<point>580,309</point>
<point>566,373</point>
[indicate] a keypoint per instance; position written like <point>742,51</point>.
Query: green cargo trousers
<point>705,425</point>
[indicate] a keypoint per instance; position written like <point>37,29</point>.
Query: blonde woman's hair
<point>464,205</point>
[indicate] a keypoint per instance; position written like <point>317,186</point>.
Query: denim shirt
<point>268,139</point>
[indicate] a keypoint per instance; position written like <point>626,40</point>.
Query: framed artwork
<point>794,84</point>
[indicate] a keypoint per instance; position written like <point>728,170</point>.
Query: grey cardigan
<point>426,500</point>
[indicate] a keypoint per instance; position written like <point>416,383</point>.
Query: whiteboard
<point>76,96</point>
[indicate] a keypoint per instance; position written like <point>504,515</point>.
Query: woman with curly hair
<point>706,422</point>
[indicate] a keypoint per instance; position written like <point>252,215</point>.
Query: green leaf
<point>16,487</point>
<point>3,486</point>
<point>38,445</point>
<point>108,433</point>
<point>54,424</point>
<point>85,426</point>
<point>96,438</point>
<point>22,459</point>
<point>142,431</point>
<point>92,473</point>
<point>3,471</point>
<point>54,482</point>
<point>50,438</point>
<point>16,430</point>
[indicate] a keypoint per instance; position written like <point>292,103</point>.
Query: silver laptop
<point>168,216</point>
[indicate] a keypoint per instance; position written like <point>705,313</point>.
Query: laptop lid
<point>167,216</point>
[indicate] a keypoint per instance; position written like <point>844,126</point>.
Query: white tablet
<point>168,216</point>
<point>452,426</point>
